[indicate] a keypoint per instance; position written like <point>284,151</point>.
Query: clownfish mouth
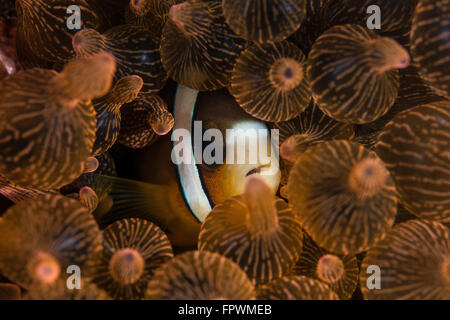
<point>257,170</point>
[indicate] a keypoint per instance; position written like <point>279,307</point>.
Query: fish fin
<point>132,198</point>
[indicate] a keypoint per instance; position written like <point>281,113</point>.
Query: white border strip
<point>194,194</point>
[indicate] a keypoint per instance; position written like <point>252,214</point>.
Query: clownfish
<point>177,194</point>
